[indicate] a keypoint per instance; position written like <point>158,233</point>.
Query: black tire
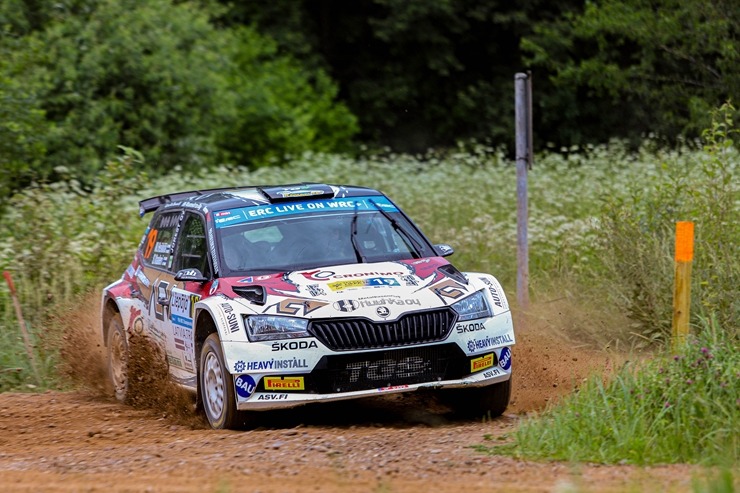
<point>118,356</point>
<point>475,402</point>
<point>217,387</point>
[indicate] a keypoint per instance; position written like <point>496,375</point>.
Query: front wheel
<point>474,402</point>
<point>118,356</point>
<point>217,387</point>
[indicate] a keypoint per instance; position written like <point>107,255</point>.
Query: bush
<point>274,108</point>
<point>22,125</point>
<point>638,230</point>
<point>157,76</point>
<point>68,239</point>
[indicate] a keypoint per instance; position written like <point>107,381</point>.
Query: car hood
<point>379,291</point>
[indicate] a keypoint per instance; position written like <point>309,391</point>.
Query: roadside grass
<point>17,371</point>
<point>67,240</point>
<point>676,408</point>
<point>720,481</point>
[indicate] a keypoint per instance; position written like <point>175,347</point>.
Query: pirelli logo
<point>478,364</point>
<point>284,383</point>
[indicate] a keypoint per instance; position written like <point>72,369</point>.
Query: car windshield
<point>302,239</point>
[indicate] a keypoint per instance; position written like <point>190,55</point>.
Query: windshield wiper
<point>353,237</point>
<point>397,228</point>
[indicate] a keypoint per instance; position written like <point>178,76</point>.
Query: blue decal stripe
<point>182,321</point>
<point>350,204</point>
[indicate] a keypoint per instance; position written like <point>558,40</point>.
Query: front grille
<point>343,334</point>
<point>363,371</point>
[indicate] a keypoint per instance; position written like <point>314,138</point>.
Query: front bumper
<point>290,373</point>
<point>263,401</point>
<point>338,376</point>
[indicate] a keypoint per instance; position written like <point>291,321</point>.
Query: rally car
<point>271,297</point>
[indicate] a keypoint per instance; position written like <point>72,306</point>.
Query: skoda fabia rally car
<point>273,297</point>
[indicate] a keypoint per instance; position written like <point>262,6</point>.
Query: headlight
<point>472,307</point>
<point>270,328</point>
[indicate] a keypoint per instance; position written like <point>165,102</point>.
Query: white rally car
<point>273,297</point>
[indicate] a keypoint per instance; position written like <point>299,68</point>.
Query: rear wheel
<point>217,387</point>
<point>118,355</point>
<point>475,402</point>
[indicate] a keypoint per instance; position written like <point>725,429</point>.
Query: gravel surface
<point>76,442</point>
<point>84,441</point>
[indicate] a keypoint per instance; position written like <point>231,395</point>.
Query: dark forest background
<point>250,83</point>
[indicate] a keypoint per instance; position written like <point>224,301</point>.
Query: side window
<point>157,245</point>
<point>192,251</point>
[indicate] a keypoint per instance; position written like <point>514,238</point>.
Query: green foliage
<point>632,67</point>
<point>22,125</point>
<point>16,371</point>
<point>82,77</point>
<point>275,108</point>
<point>638,231</point>
<point>680,408</point>
<point>418,74</point>
<point>67,239</point>
<point>425,74</point>
<point>720,482</point>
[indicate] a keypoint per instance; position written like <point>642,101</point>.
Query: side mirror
<point>443,250</point>
<point>194,275</point>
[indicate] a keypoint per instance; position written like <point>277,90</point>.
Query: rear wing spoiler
<point>272,193</point>
<point>153,203</point>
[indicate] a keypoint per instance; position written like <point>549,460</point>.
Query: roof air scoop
<point>301,190</point>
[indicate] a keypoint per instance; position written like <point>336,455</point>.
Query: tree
<point>276,106</point>
<point>628,67</point>
<point>161,77</point>
<point>417,74</point>
<point>22,127</point>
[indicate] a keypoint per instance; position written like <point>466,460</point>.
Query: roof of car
<point>226,198</point>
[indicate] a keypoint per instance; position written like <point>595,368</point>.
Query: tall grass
<point>16,368</point>
<point>683,408</point>
<point>637,235</point>
<point>62,240</point>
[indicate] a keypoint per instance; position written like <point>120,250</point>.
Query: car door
<point>191,252</point>
<point>154,275</point>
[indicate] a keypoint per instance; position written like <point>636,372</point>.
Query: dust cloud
<point>559,345</point>
<point>84,365</point>
<point>549,363</point>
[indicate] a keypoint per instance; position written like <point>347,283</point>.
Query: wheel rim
<point>213,384</point>
<point>118,361</point>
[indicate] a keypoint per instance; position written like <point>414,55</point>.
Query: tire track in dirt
<point>85,441</point>
<point>73,441</point>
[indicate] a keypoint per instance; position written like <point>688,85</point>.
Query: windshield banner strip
<point>260,212</point>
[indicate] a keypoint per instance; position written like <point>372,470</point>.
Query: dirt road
<point>83,441</point>
<point>73,442</point>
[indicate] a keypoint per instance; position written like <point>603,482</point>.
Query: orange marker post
<point>682,283</point>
